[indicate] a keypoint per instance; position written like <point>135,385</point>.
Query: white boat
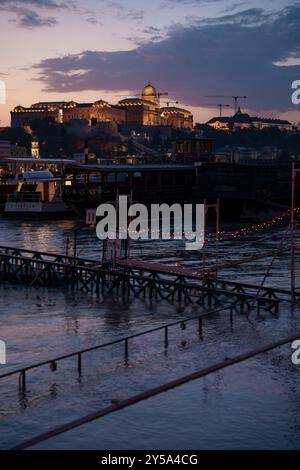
<point>38,194</point>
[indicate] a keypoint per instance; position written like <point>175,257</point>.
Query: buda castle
<point>138,111</point>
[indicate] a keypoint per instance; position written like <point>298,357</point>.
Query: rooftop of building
<point>174,109</point>
<point>245,118</point>
<point>271,120</point>
<point>49,103</point>
<point>135,101</point>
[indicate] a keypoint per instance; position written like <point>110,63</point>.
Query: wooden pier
<point>130,277</point>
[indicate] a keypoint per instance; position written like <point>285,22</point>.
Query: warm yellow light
<point>68,183</point>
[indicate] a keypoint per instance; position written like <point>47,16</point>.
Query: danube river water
<point>250,405</point>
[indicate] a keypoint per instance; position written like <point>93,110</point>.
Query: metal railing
<point>124,403</point>
<point>125,340</point>
<point>26,196</point>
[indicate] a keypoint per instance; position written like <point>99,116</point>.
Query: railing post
<point>166,337</point>
<point>79,363</point>
<point>200,326</point>
<point>126,350</point>
<point>22,380</point>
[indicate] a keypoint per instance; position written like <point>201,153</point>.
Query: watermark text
<point>2,92</point>
<point>296,94</point>
<point>2,353</point>
<point>162,222</point>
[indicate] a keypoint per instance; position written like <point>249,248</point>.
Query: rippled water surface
<point>39,323</point>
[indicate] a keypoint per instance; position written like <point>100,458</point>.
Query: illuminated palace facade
<point>144,111</point>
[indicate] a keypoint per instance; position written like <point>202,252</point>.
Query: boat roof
<point>39,180</point>
<point>40,160</point>
<point>136,167</point>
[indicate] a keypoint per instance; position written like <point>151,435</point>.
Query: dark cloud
<point>135,15</point>
<point>31,19</point>
<point>26,14</point>
<point>172,3</point>
<point>120,11</point>
<point>27,18</point>
<point>151,30</point>
<point>235,54</point>
<point>196,2</point>
<point>92,20</point>
<point>233,7</point>
<point>250,17</point>
<point>37,3</point>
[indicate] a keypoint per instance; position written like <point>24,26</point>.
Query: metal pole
<point>118,230</point>
<point>129,220</point>
<point>203,251</point>
<point>79,363</point>
<point>126,349</point>
<point>217,237</point>
<point>75,245</point>
<point>23,380</point>
<point>293,247</point>
<point>200,327</point>
<point>166,337</point>
<point>67,246</point>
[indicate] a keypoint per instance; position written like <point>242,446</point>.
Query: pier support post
<point>22,381</point>
<point>126,350</point>
<point>79,365</point>
<point>166,337</point>
<point>200,327</point>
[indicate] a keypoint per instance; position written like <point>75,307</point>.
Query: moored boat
<point>38,194</point>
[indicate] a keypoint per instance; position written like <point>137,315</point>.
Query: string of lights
<point>222,235</point>
<point>257,227</point>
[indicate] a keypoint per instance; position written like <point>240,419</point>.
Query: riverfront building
<point>144,110</point>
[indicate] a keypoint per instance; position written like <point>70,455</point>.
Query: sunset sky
<point>87,50</point>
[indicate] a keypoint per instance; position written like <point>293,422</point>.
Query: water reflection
<point>39,323</point>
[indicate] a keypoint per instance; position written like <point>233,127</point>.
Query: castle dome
<point>149,90</point>
<point>149,93</point>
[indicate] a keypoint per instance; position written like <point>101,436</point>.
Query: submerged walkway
<point>132,277</point>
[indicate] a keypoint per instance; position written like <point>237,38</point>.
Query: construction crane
<point>165,93</point>
<point>214,105</point>
<point>235,97</point>
<point>221,106</point>
<point>159,94</point>
<point>170,102</point>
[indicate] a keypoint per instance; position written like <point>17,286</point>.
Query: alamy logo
<point>2,92</point>
<point>296,353</point>
<point>2,353</point>
<point>296,93</point>
<point>135,222</point>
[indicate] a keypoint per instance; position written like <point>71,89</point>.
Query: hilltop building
<point>245,121</point>
<point>63,111</point>
<point>144,110</point>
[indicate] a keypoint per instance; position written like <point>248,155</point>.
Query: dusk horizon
<point>150,242</point>
<point>194,50</point>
